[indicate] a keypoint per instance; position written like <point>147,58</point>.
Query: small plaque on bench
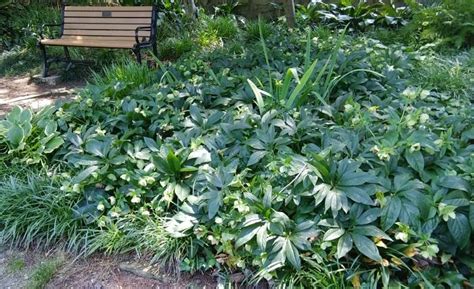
<point>106,13</point>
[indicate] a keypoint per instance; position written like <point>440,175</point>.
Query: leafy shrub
<point>252,30</point>
<point>27,138</point>
<point>225,27</point>
<point>359,16</point>
<point>278,158</point>
<point>451,22</point>
<point>173,48</point>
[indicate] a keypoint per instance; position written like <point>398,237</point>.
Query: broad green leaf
<point>368,216</point>
<point>471,216</point>
<point>53,144</point>
<point>292,254</point>
<point>201,155</point>
<point>181,191</point>
<point>460,230</point>
<point>371,231</point>
<point>390,212</point>
<point>84,174</point>
<point>173,162</point>
<point>50,128</point>
<point>366,247</point>
<point>262,236</point>
<point>415,160</point>
<point>151,144</point>
<point>255,157</point>
<point>344,245</point>
<point>95,147</point>
<point>246,235</point>
<point>15,135</point>
<point>333,234</point>
<point>455,182</point>
<point>358,195</point>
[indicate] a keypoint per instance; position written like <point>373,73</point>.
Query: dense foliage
<point>307,157</point>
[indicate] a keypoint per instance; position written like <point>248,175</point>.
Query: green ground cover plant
<point>304,158</point>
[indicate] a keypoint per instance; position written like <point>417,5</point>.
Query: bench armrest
<point>47,25</point>
<point>141,28</point>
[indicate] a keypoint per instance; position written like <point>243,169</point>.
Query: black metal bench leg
<point>68,58</point>
<point>137,53</point>
<point>155,49</point>
<point>45,61</point>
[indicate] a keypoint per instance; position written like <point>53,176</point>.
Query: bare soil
<point>96,272</point>
<point>25,91</point>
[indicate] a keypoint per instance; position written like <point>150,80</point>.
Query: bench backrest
<point>114,23</point>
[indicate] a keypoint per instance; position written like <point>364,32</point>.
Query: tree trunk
<point>290,12</point>
<point>190,8</point>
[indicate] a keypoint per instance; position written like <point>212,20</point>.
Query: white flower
<point>100,132</point>
<point>424,118</point>
<point>348,107</point>
<point>146,213</point>
<point>402,236</point>
<point>112,200</point>
<point>135,200</point>
<point>114,214</point>
<point>142,182</point>
<point>415,147</point>
<point>100,207</point>
<point>218,220</point>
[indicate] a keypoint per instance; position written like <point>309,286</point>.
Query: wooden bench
<point>102,27</point>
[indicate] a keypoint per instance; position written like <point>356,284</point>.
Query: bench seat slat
<point>105,33</point>
<point>113,14</point>
<point>81,26</point>
<point>110,8</point>
<point>108,20</point>
<point>89,43</point>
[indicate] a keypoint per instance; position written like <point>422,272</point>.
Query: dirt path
<point>23,91</point>
<point>24,269</point>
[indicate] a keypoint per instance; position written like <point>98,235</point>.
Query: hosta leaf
<point>344,245</point>
<point>366,247</point>
<point>460,229</point>
<point>95,147</point>
<point>390,212</point>
<point>333,234</point>
<point>53,144</point>
<point>292,254</point>
<point>246,235</point>
<point>15,135</point>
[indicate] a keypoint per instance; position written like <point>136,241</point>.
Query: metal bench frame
<point>137,47</point>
